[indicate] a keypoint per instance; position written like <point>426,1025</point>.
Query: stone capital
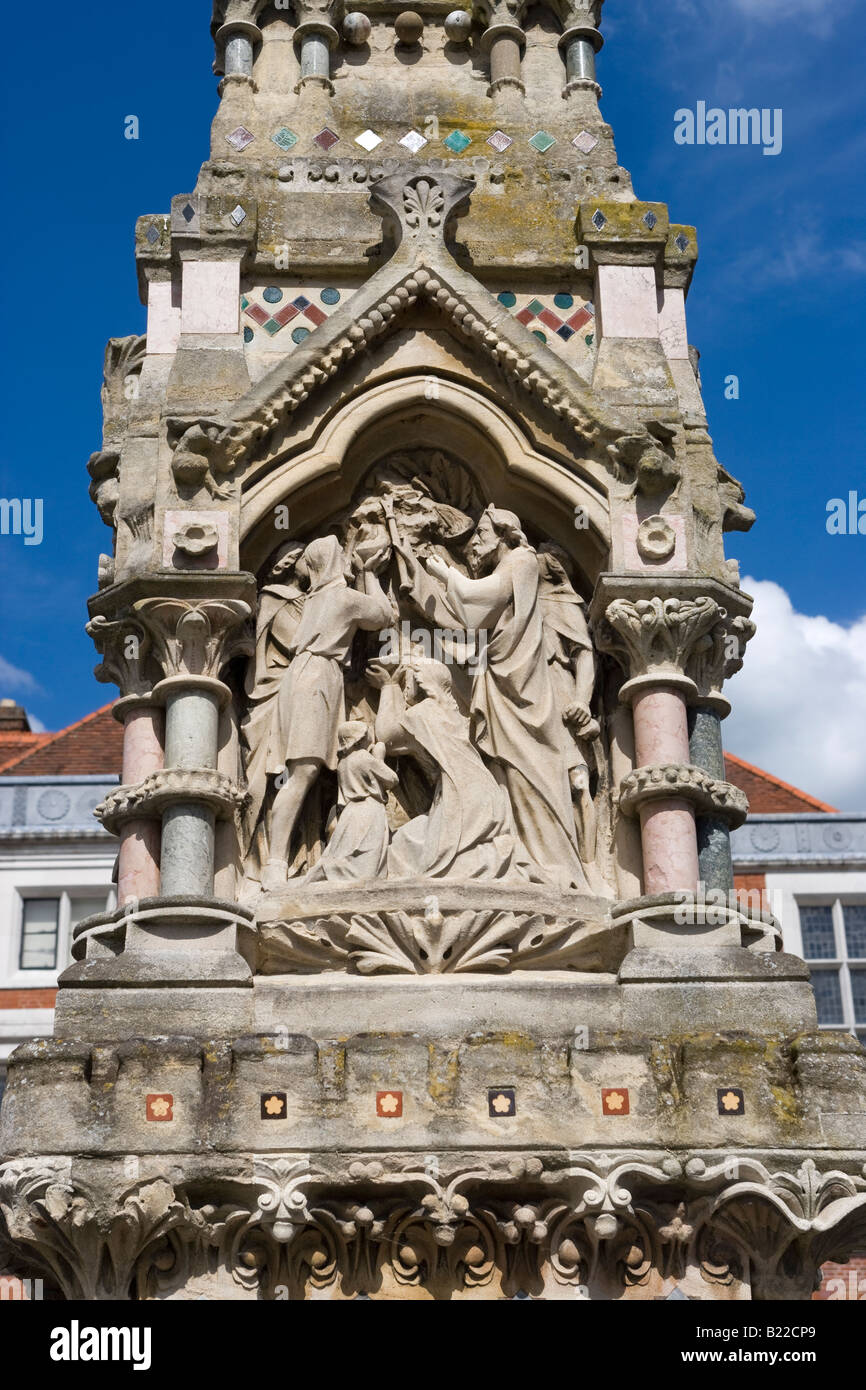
<point>198,637</point>
<point>417,208</point>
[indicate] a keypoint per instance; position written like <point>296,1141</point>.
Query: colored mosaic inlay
<point>584,141</point>
<point>502,1102</point>
<point>188,213</point>
<point>152,234</point>
<point>500,141</point>
<point>159,1108</point>
<point>564,323</point>
<point>542,141</point>
<point>413,141</point>
<point>389,1105</point>
<point>614,1100</point>
<point>368,140</point>
<point>650,219</point>
<point>731,1101</point>
<point>273,1105</point>
<point>682,243</point>
<point>598,219</point>
<point>239,138</point>
<point>326,139</point>
<point>457,142</point>
<point>284,138</point>
<point>301,307</point>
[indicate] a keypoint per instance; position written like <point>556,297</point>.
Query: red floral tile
<point>159,1108</point>
<point>614,1100</point>
<point>389,1104</point>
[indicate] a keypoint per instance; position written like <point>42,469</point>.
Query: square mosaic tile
<point>284,138</point>
<point>239,138</point>
<point>502,1102</point>
<point>159,1108</point>
<point>413,141</point>
<point>326,139</point>
<point>457,141</point>
<point>286,314</point>
<point>389,1104</point>
<point>499,140</point>
<point>542,141</point>
<point>584,141</point>
<point>731,1101</point>
<point>368,140</point>
<point>273,1105</point>
<point>257,314</point>
<point>614,1100</point>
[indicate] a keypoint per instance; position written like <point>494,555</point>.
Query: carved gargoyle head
<point>204,452</point>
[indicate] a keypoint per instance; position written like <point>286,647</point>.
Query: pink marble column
<point>138,860</point>
<point>668,834</point>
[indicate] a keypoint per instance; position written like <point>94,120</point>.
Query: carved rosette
<point>709,797</point>
<point>630,1226</point>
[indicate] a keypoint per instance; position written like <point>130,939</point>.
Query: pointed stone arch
<point>317,479</point>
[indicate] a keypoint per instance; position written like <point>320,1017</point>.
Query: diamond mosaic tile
<point>598,219</point>
<point>238,215</point>
<point>499,140</point>
<point>731,1101</point>
<point>389,1105</point>
<point>239,138</point>
<point>650,219</point>
<point>615,1100</point>
<point>273,1105</point>
<point>542,141</point>
<point>457,141</point>
<point>152,234</point>
<point>284,138</point>
<point>326,139</point>
<point>159,1108</point>
<point>682,242</point>
<point>300,307</point>
<point>188,213</point>
<point>413,141</point>
<point>563,324</point>
<point>502,1102</point>
<point>584,141</point>
<point>368,140</point>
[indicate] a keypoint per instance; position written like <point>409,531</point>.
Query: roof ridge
<point>6,768</point>
<point>786,786</point>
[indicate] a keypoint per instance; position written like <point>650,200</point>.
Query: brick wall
<point>27,998</point>
<point>843,1282</point>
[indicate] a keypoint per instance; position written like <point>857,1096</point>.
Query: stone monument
<point>427,978</point>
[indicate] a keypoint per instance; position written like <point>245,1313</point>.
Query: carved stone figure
<point>358,846</point>
<point>467,832</point>
<point>571,662</point>
<point>515,720</point>
<point>310,705</point>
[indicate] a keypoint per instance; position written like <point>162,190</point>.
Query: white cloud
<point>36,725</point>
<point>799,701</point>
<point>12,679</point>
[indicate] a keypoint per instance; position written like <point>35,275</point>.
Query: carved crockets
<point>287,1226</point>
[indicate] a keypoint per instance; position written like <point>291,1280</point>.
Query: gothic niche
<point>427,778</point>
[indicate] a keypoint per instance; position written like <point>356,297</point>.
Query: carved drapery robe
<point>358,847</point>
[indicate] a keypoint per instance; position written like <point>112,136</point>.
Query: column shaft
<point>239,55</point>
<point>138,859</point>
<point>668,838</point>
<point>714,834</point>
<point>191,740</point>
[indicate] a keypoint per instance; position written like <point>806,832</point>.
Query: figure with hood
<point>311,700</point>
<point>358,846</point>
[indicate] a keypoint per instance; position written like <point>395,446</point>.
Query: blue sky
<point>777,301</point>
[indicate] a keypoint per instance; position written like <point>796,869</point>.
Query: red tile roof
<point>15,744</point>
<point>92,745</point>
<point>767,794</point>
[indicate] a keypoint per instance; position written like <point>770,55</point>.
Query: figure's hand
<point>438,567</point>
<point>387,507</point>
<point>379,674</point>
<point>579,718</point>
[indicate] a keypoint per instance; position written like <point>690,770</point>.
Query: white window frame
<point>17,978</point>
<point>841,962</point>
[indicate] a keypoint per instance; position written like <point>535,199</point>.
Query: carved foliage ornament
<point>603,1225</point>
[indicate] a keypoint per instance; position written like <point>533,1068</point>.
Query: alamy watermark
<point>22,516</point>
<point>453,647</point>
<point>713,906</point>
<point>713,125</point>
<point>846,516</point>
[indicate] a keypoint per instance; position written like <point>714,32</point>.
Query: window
<point>47,925</point>
<point>39,928</point>
<point>834,943</point>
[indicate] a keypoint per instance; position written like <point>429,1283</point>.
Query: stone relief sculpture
<point>477,685</point>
